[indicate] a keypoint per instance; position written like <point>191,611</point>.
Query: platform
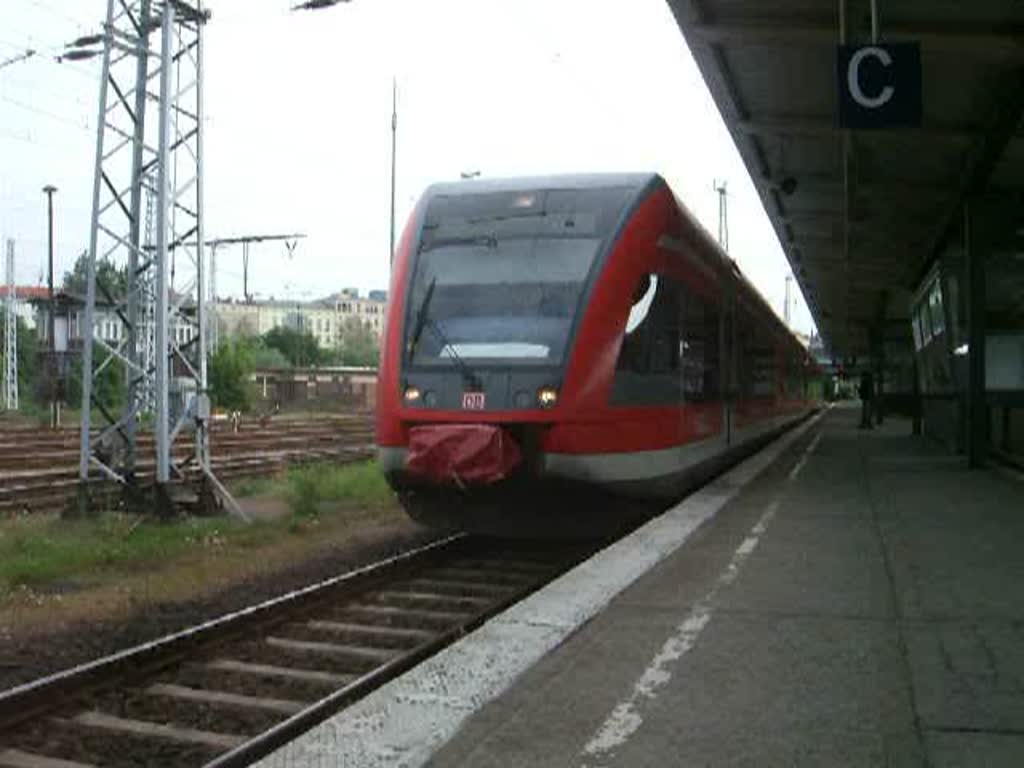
<point>858,602</point>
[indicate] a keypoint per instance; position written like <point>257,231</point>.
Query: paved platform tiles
<point>867,611</point>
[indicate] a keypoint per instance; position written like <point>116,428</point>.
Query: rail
<point>230,691</point>
<point>38,470</point>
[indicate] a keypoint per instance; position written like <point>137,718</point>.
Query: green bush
<point>229,370</point>
<point>300,348</point>
<point>304,492</point>
<point>253,486</point>
<point>267,357</point>
<point>310,487</point>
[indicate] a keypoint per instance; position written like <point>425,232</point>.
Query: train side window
<point>635,346</point>
<point>643,297</point>
<point>793,384</point>
<point>763,366</point>
<point>700,349</point>
<point>651,344</point>
<point>758,367</point>
<point>648,365</point>
<point>665,330</point>
<point>633,355</point>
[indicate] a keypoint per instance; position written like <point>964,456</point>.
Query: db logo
<point>473,401</point>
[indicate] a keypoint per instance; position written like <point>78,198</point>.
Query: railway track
<point>230,691</point>
<point>38,470</point>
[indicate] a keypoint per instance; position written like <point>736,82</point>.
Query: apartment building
<point>324,318</point>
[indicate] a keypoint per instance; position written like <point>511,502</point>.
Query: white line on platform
<point>626,718</point>
<point>406,721</point>
<point>803,459</point>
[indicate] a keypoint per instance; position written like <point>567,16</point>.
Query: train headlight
<point>547,397</point>
<point>412,395</point>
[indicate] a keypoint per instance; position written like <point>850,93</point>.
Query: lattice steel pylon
<point>147,296</point>
<point>10,335</point>
<point>150,130</point>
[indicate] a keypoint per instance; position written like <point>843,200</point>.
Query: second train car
<point>563,352</point>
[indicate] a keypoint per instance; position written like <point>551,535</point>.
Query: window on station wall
<point>929,321</point>
<point>935,309</point>
<point>926,323</point>
<point>952,304</point>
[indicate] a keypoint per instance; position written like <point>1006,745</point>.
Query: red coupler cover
<point>462,454</point>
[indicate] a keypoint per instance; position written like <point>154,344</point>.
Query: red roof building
<point>26,292</point>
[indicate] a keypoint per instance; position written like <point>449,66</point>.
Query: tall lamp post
<point>394,143</point>
<point>52,368</point>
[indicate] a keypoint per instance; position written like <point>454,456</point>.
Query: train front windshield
<point>499,276</point>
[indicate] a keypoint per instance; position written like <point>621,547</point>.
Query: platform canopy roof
<point>862,214</point>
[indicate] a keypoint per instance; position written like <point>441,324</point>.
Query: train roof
<point>637,181</point>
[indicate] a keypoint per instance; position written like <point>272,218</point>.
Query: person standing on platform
<point>866,390</point>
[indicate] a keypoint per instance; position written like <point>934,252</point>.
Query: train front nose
<point>462,455</point>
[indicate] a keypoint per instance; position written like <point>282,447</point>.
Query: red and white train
<point>558,346</point>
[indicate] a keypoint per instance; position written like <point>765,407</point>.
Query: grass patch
<point>314,487</point>
<point>36,550</point>
<point>254,486</point>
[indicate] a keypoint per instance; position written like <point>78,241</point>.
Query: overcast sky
<point>299,114</point>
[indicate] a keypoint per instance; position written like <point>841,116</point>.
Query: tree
<point>229,370</point>
<point>358,344</point>
<point>264,357</point>
<point>299,348</point>
<point>108,275</point>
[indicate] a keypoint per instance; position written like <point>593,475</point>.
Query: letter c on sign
<point>853,78</point>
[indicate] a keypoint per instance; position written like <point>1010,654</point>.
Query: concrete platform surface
<point>877,618</point>
<point>847,599</point>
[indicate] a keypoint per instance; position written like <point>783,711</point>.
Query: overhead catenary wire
<point>48,53</point>
<point>84,125</point>
<point>60,14</point>
<point>27,54</point>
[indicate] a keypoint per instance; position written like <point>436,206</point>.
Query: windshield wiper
<point>421,318</point>
<point>468,376</point>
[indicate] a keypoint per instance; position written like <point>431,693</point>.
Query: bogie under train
<point>558,346</point>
